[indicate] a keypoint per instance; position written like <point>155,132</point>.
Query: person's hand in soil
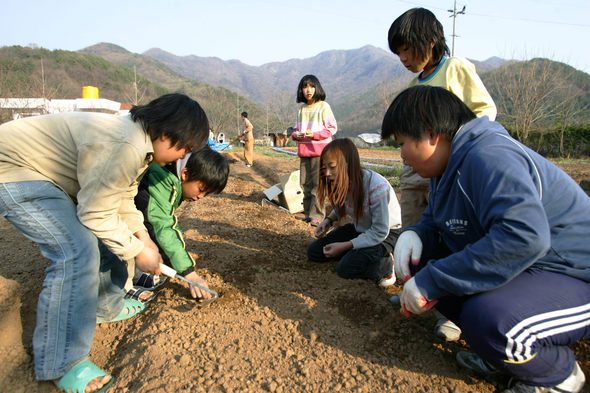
<point>332,250</point>
<point>322,228</point>
<point>198,293</point>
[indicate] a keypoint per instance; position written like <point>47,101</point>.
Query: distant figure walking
<point>248,136</point>
<point>314,129</point>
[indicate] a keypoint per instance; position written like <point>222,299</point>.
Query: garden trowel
<point>168,271</point>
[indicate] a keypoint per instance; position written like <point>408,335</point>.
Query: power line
<point>552,22</point>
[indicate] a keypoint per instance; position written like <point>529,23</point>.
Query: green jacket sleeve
<point>165,196</point>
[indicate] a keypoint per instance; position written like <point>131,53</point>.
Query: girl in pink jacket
<point>313,131</point>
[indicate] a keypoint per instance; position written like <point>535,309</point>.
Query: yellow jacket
<point>458,76</point>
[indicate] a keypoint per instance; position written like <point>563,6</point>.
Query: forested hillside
<point>532,97</point>
<point>120,76</point>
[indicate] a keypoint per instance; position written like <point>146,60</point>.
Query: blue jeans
<point>81,267</point>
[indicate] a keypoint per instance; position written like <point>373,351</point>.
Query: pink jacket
<point>318,121</point>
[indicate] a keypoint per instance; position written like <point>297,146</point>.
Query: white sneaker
<point>388,281</point>
<point>572,384</point>
<point>447,330</point>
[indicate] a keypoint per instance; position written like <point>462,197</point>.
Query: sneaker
<point>572,384</point>
<point>390,280</point>
<point>248,166</point>
<point>447,330</point>
<point>472,362</point>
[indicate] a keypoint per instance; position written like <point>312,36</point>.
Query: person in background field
<point>417,37</point>
<point>363,247</point>
<point>67,183</point>
<point>161,192</point>
<point>314,129</point>
<point>248,136</point>
<point>502,246</point>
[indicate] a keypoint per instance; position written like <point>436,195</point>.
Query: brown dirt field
<point>282,324</point>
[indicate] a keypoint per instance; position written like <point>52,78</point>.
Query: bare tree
<point>216,101</point>
<point>283,108</point>
<point>567,111</point>
<point>526,92</point>
<point>24,96</point>
<point>386,92</point>
<point>138,90</point>
<point>5,69</point>
<point>40,87</point>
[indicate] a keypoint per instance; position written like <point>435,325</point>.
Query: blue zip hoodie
<point>500,208</point>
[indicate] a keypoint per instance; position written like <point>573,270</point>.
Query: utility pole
<point>454,13</point>
<point>135,83</point>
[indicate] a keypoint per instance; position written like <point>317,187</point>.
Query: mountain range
<point>341,72</point>
<point>359,83</point>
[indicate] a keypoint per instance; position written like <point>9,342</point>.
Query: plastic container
<point>89,92</point>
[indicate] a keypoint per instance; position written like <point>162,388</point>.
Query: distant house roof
<point>17,103</point>
<point>97,104</point>
<point>35,106</point>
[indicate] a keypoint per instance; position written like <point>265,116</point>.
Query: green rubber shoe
<point>132,308</point>
<point>78,377</point>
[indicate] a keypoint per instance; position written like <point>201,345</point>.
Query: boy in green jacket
<point>161,192</point>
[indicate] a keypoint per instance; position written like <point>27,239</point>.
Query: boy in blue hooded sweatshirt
<point>502,248</point>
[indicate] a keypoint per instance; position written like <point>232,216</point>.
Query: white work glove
<point>408,246</point>
<point>412,299</point>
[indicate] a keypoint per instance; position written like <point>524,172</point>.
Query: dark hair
<point>210,167</point>
<point>245,114</point>
<point>176,116</point>
<point>319,95</point>
<point>422,109</point>
<point>349,179</point>
<point>418,28</point>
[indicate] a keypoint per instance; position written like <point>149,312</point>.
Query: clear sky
<point>262,31</point>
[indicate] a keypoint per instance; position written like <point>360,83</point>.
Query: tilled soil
<point>281,324</point>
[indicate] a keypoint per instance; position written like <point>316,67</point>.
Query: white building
<point>24,107</point>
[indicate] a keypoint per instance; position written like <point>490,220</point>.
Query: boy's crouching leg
<point>525,327</point>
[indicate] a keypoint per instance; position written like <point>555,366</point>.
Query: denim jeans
<point>81,267</point>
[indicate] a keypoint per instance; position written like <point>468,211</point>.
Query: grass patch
<point>267,151</point>
<point>562,160</point>
<point>391,173</point>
